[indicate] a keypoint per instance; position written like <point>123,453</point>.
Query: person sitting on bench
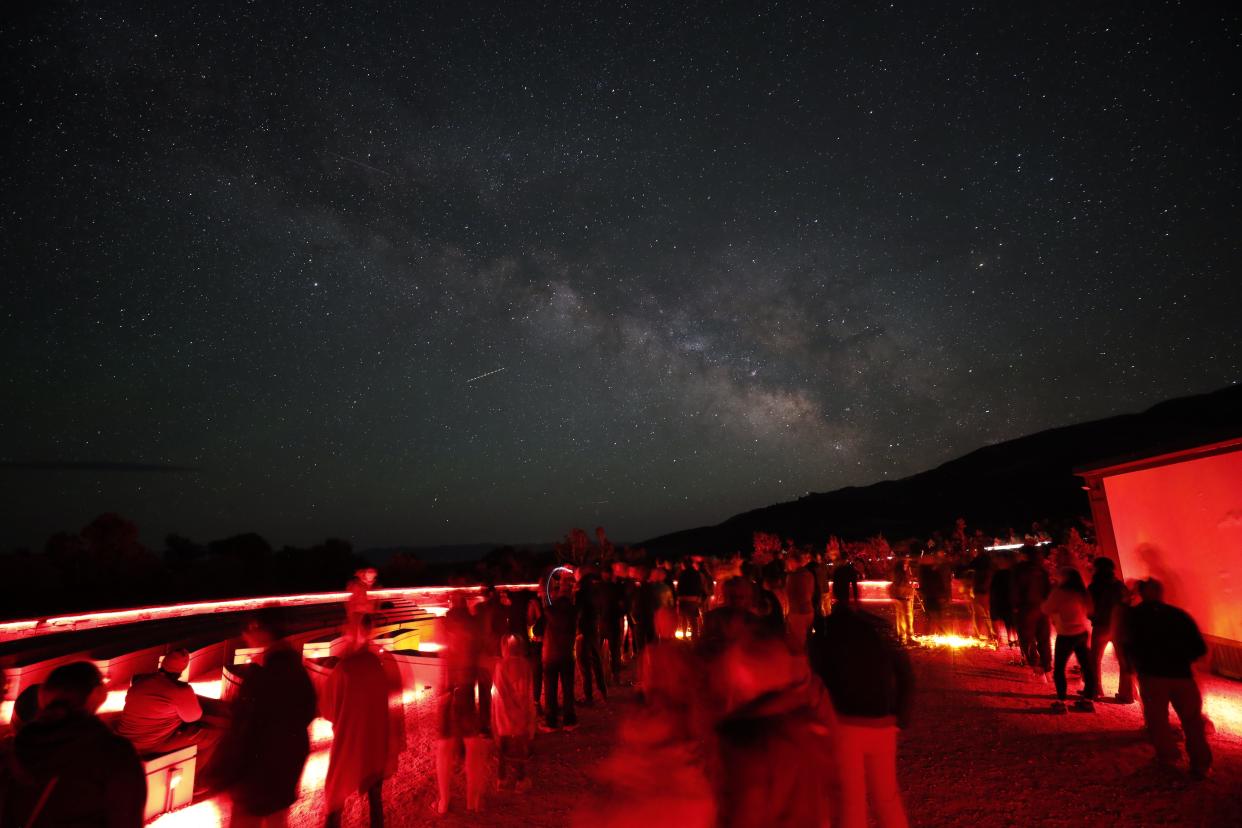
<point>163,714</point>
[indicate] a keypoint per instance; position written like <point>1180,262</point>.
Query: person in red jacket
<point>363,702</point>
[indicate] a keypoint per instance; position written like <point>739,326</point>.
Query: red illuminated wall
<point>1182,523</point>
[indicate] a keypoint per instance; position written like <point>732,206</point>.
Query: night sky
<point>429,272</point>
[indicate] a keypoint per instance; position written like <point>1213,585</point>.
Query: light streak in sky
<point>481,376</point>
<point>362,164</point>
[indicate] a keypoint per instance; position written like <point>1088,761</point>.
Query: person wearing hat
<point>163,714</point>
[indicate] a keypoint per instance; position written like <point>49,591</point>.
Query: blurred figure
<point>25,708</point>
<point>1000,603</point>
<point>263,753</point>
<point>537,620</point>
<point>691,595</point>
<point>1029,586</point>
<point>559,632</point>
<point>871,683</point>
<point>773,739</point>
<point>67,767</point>
<point>654,595</point>
<point>362,700</point>
<point>656,774</point>
<point>162,714</point>
<point>901,590</point>
<point>490,624</point>
<point>1108,602</point>
<point>513,714</point>
<point>768,604</point>
<point>931,589</point>
<point>360,603</point>
<point>615,597</point>
<point>735,618</point>
<point>459,713</point>
<point>800,588</point>
<point>823,589</point>
<point>981,571</point>
<point>845,580</point>
<point>588,606</point>
<point>1163,642</point>
<point>1068,607</point>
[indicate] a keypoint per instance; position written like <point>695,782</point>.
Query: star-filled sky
<point>433,272</point>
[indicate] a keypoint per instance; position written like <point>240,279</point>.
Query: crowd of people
<point>771,695</point>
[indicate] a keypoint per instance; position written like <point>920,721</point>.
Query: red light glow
<point>108,618</point>
<point>1182,523</point>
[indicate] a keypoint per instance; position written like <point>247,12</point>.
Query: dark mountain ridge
<point>1004,485</point>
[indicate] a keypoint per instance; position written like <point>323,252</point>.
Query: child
<point>513,713</point>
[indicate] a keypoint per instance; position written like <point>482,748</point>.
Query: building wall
<point>1182,523</point>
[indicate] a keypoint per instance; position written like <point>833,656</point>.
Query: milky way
<point>428,272</point>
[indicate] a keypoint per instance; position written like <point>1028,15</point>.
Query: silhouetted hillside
<point>1003,485</point>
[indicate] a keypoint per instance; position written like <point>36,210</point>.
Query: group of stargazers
<point>741,668</point>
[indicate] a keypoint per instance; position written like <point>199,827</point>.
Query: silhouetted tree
<point>402,569</point>
<point>248,547</point>
<point>181,552</point>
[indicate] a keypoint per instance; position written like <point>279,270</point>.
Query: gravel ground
<point>984,750</point>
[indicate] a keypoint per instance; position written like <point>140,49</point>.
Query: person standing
<point>901,590</point>
<point>931,588</point>
<point>980,596</point>
<point>1068,607</point>
<point>654,596</point>
<point>535,620</point>
<point>513,714</point>
<point>588,604</point>
<point>559,630</point>
<point>264,751</point>
<point>1163,642</point>
<point>614,597</point>
<point>360,603</point>
<point>800,586</point>
<point>69,768</point>
<point>490,625</point>
<point>845,580</point>
<point>459,725</point>
<point>1108,601</point>
<point>691,595</point>
<point>1000,601</point>
<point>871,684</point>
<point>362,700</point>
<point>1029,587</point>
<point>773,740</point>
